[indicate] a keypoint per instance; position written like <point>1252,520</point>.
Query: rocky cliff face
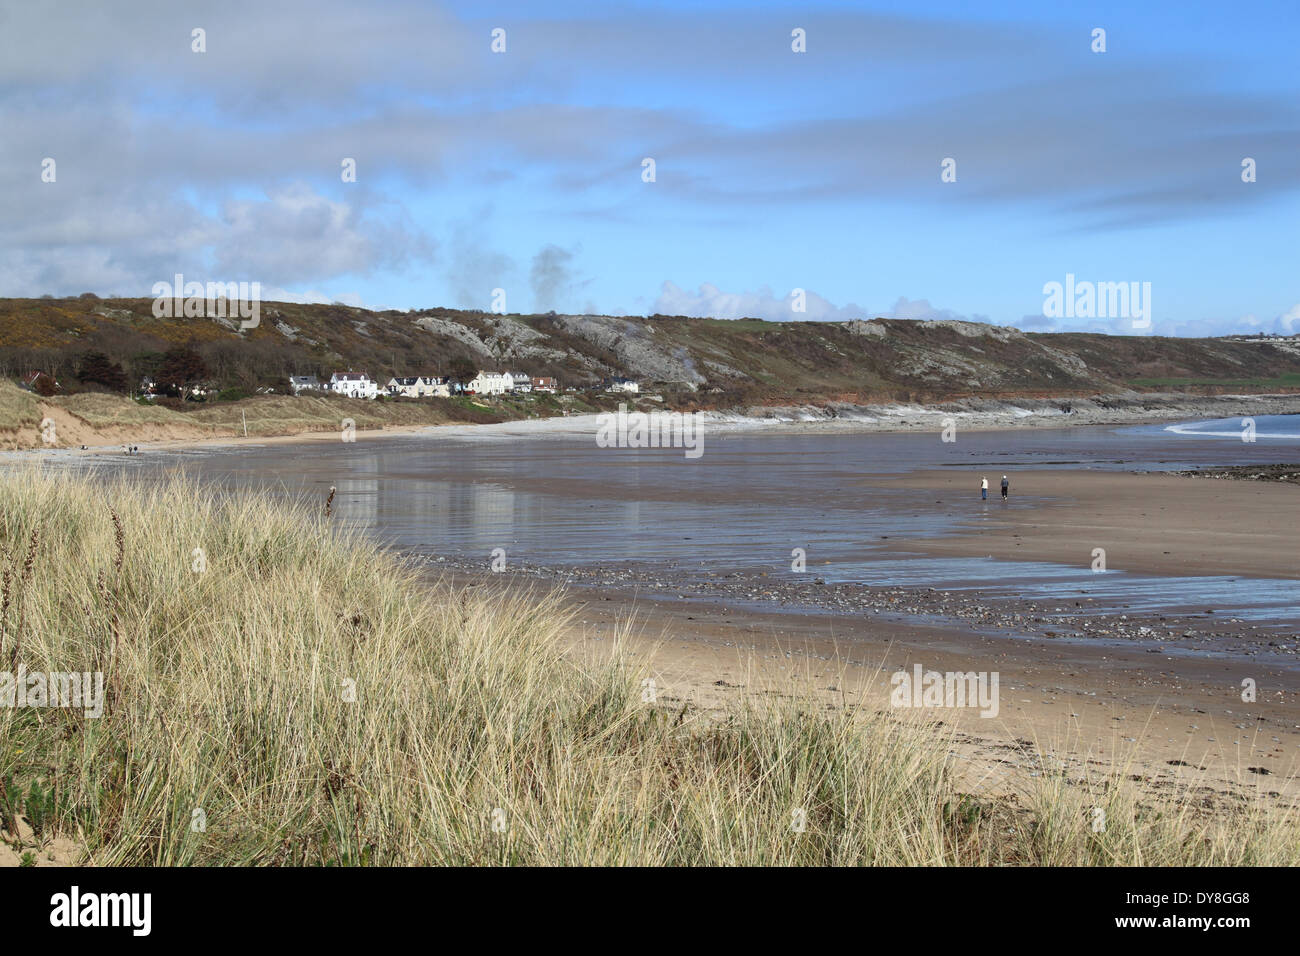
<point>640,354</point>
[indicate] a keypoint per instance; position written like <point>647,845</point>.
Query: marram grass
<point>280,692</point>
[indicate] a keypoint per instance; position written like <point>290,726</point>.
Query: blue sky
<point>775,170</point>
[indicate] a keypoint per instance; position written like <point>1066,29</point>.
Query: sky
<point>773,170</point>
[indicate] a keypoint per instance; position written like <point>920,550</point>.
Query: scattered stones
<point>760,589</point>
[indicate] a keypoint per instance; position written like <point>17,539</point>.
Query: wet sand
<point>1149,523</point>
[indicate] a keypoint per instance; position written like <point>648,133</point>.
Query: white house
<point>304,383</point>
<point>353,385</point>
<point>490,383</point>
<point>519,382</point>
<point>623,385</point>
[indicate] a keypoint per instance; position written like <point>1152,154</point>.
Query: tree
<point>98,369</point>
<point>181,368</point>
<point>462,369</point>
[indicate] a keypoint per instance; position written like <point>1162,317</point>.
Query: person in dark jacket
<point>1006,485</point>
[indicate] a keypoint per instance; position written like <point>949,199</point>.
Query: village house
<point>353,385</point>
<point>304,383</point>
<point>490,383</point>
<point>519,382</point>
<point>545,384</point>
<point>419,386</point>
<point>622,385</point>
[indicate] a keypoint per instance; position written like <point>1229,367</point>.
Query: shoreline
<point>1133,409</point>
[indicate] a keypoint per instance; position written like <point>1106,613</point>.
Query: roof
<point>351,376</point>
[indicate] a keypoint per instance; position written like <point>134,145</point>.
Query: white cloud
<point>295,233</point>
<point>1287,323</point>
<point>710,301</point>
<point>290,236</point>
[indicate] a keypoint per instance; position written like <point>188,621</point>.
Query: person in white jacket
<point>984,488</point>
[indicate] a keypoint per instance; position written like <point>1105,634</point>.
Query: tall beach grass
<point>280,692</point>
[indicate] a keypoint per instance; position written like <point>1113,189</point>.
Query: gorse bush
<point>280,692</point>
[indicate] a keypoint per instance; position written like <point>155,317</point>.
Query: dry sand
<point>1171,725</point>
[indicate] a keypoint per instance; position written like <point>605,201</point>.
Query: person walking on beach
<point>984,488</point>
<point>1005,486</point>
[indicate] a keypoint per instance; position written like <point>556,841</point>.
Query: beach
<point>1156,523</point>
<point>1137,664</point>
<point>1164,706</point>
<point>285,420</point>
<point>1170,724</point>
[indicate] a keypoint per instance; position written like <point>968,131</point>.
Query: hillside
<point>693,361</point>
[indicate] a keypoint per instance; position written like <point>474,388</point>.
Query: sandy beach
<point>1175,724</point>
<point>1090,676</point>
<point>1154,523</point>
<point>1172,725</point>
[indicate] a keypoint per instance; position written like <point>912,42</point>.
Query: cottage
<point>353,385</point>
<point>407,387</point>
<point>545,384</point>
<point>419,386</point>
<point>519,382</point>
